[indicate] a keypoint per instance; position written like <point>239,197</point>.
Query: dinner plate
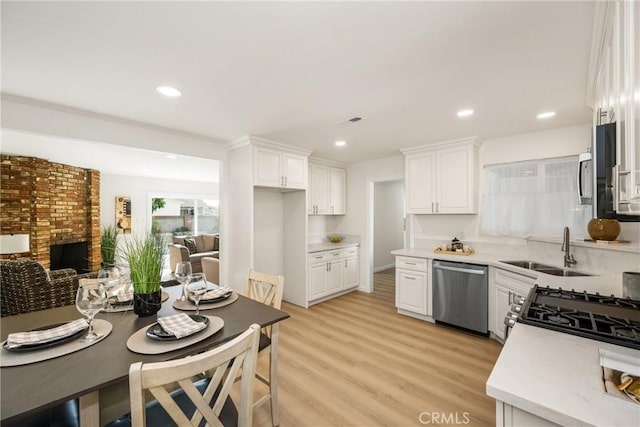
<point>156,332</point>
<point>40,346</point>
<point>114,302</point>
<point>216,299</point>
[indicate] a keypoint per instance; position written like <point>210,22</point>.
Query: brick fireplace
<point>56,204</point>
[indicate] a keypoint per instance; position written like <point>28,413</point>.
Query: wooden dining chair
<point>221,364</point>
<point>268,289</point>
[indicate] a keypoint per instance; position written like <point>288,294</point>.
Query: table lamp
<point>14,244</point>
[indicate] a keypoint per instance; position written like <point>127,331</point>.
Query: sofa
<point>193,249</point>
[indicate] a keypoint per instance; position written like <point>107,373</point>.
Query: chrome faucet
<point>566,247</point>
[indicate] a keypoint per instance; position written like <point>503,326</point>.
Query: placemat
<point>189,306</point>
<point>11,358</point>
<point>118,308</point>
<point>140,343</point>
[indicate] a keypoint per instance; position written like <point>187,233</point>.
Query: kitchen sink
<point>529,265</point>
<point>561,272</point>
<point>547,269</point>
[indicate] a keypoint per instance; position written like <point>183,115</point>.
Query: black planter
<point>147,304</point>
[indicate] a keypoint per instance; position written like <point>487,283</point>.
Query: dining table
<point>30,388</point>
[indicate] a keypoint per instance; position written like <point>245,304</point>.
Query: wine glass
<point>109,278</point>
<point>183,275</point>
<point>89,301</point>
<point>197,287</point>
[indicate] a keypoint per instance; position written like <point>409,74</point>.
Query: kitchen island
<point>543,377</point>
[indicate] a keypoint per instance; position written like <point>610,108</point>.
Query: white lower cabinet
<point>333,271</point>
<point>413,285</point>
<point>510,416</point>
<point>505,287</point>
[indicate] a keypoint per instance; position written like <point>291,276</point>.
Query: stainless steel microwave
<point>596,175</point>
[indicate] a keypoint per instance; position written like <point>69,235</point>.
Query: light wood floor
<point>353,361</point>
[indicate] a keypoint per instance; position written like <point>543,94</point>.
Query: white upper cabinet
<point>319,189</point>
<point>328,190</point>
<point>614,85</point>
<point>337,191</point>
<point>442,178</point>
<point>280,169</point>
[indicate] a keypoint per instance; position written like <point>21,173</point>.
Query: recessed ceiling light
<point>169,91</point>
<point>464,113</point>
<point>145,170</point>
<point>171,156</point>
<point>341,143</point>
<point>546,115</point>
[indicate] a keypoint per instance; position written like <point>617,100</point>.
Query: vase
<point>603,229</point>
<point>147,304</point>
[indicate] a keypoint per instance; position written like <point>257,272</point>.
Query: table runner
<point>11,358</point>
<point>189,306</point>
<point>140,343</point>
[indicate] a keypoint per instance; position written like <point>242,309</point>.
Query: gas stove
<point>605,318</point>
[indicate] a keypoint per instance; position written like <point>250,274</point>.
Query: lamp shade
<point>14,243</point>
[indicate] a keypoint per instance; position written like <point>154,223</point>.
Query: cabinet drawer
<point>317,257</point>
<point>336,254</point>
<point>509,278</point>
<point>409,263</point>
<point>351,252</point>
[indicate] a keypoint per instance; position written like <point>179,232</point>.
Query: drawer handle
<point>409,277</point>
<point>318,257</point>
<point>410,263</point>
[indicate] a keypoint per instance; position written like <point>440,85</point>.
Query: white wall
<point>388,223</point>
<point>359,177</point>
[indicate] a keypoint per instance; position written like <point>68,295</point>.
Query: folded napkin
<point>18,339</point>
<point>124,296</point>
<point>180,325</point>
<point>215,293</point>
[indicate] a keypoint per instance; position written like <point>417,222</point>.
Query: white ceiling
<point>290,71</point>
<point>110,158</point>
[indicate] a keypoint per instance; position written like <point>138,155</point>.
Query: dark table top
<point>30,388</point>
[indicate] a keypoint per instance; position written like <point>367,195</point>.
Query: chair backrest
<point>241,353</point>
<point>25,286</point>
<point>265,288</point>
<point>211,269</point>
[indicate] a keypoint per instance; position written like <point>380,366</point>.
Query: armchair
<point>26,286</point>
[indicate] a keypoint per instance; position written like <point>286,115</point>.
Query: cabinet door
<point>266,168</point>
<point>351,273</point>
<point>317,280</point>
<point>454,187</point>
<point>411,291</point>
<point>502,298</point>
<point>320,189</point>
<point>294,169</point>
<point>420,184</point>
<point>336,276</point>
<point>338,190</point>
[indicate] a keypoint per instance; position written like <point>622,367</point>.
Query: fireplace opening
<point>70,255</point>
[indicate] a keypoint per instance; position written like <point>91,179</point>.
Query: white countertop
<point>327,246</point>
<point>605,284</point>
<point>557,376</point>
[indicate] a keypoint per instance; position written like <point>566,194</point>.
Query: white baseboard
<point>384,267</point>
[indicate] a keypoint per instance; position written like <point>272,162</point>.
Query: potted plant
<point>108,245</point>
<point>144,254</point>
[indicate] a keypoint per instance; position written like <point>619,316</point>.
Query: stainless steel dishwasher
<point>460,295</point>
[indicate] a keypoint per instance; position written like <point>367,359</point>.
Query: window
<point>185,215</point>
<point>532,198</point>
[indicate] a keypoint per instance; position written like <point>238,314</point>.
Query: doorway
<point>387,225</point>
